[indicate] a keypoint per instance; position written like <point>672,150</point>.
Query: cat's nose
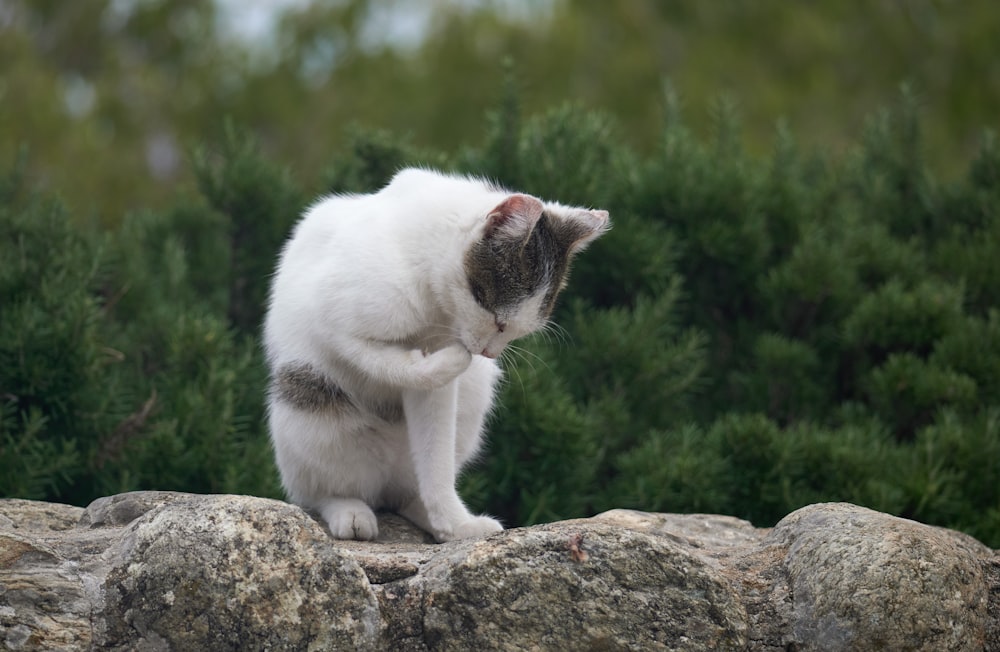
<point>487,354</point>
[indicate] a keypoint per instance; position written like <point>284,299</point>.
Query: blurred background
<point>111,95</point>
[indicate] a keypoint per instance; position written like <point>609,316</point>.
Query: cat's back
<point>415,200</point>
<point>418,198</point>
<point>381,242</point>
<point>416,183</point>
<point>368,259</point>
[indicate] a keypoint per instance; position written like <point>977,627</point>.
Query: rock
<point>233,573</point>
<point>861,579</point>
<point>842,577</point>
<point>171,571</point>
<point>578,585</point>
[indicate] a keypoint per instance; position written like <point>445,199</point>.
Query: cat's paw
<point>439,368</point>
<point>350,518</point>
<point>475,527</point>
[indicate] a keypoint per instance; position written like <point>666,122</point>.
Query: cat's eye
<point>500,325</point>
<point>477,292</point>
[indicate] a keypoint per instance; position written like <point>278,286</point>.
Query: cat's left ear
<point>515,217</point>
<point>580,228</point>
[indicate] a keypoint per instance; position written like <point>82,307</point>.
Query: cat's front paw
<point>439,368</point>
<point>350,518</point>
<point>474,528</point>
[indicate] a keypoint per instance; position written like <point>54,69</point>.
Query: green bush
<point>119,367</point>
<point>51,352</point>
<point>755,334</point>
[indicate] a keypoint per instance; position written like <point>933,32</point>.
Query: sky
<point>253,20</point>
<point>400,22</point>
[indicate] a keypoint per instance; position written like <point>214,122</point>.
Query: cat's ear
<point>579,228</point>
<point>515,217</point>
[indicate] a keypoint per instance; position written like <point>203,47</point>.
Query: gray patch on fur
<point>305,388</point>
<point>503,271</point>
<point>388,412</point>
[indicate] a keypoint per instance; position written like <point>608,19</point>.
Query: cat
<point>386,316</point>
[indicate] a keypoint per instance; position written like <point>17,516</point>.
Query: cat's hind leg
<point>349,518</point>
<point>332,463</point>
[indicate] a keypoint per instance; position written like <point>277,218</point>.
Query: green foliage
<point>107,93</point>
<point>754,334</point>
<point>953,478</point>
<point>51,352</point>
<point>371,159</point>
<point>907,391</point>
<point>119,368</point>
<point>786,379</point>
<point>258,204</point>
<point>892,318</point>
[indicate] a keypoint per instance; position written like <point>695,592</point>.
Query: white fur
<point>371,291</point>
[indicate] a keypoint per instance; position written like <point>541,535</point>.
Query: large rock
<point>170,571</point>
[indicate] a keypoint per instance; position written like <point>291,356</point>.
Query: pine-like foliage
<point>755,334</point>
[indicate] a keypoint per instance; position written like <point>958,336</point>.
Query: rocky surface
<point>170,571</point>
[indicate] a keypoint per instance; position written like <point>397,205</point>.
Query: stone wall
<point>170,571</point>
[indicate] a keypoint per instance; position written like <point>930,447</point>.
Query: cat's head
<point>516,267</point>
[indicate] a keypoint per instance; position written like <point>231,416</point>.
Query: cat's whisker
<point>511,357</point>
<point>530,357</point>
<point>508,366</point>
<point>558,331</point>
<point>522,356</point>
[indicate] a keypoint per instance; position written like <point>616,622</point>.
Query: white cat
<point>386,316</point>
